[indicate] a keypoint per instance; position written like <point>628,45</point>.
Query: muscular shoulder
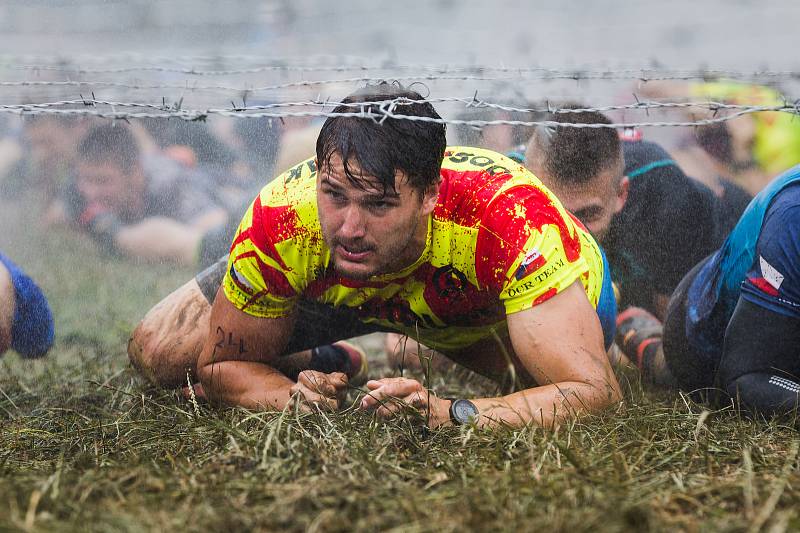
<point>278,247</point>
<point>286,207</point>
<point>511,212</point>
<point>472,178</point>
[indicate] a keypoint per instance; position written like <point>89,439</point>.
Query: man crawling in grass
<point>387,229</point>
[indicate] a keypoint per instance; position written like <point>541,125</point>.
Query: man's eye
<point>379,205</point>
<point>335,195</point>
<point>588,216</point>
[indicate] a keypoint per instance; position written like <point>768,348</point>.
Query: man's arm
<point>159,238</point>
<point>162,238</point>
<point>559,342</point>
<point>760,365</point>
<point>235,365</point>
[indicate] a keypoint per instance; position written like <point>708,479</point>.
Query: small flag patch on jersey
<point>532,262</point>
<point>241,281</point>
<point>770,280</point>
<point>771,274</point>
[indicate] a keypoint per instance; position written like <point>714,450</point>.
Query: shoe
<point>358,368</point>
<point>637,329</point>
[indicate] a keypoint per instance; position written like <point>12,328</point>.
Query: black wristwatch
<point>463,412</point>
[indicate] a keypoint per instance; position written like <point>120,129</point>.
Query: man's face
<point>367,231</point>
<point>597,201</point>
<point>106,184</point>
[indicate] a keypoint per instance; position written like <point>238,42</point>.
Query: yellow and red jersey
<point>498,242</point>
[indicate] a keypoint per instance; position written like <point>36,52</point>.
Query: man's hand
<point>390,396</point>
<point>325,391</point>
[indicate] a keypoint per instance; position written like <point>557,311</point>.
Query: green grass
<point>86,445</point>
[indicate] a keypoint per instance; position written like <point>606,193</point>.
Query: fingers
<point>389,396</point>
<point>386,397</point>
<point>327,384</point>
<point>309,398</point>
<point>315,388</point>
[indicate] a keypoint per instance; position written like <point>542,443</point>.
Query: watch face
<point>464,411</point>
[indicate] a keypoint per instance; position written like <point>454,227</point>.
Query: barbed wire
<point>384,111</point>
<point>241,89</point>
<point>541,73</point>
<point>469,102</point>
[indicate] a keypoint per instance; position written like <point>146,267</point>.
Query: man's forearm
<point>246,384</point>
<point>159,238</point>
<point>546,406</point>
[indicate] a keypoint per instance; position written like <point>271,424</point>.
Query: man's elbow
<point>609,395</point>
<point>604,394</point>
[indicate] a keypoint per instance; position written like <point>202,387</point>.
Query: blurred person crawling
<point>140,204</point>
<point>748,150</point>
<point>26,323</point>
<point>654,222</point>
<point>387,229</point>
<point>732,328</point>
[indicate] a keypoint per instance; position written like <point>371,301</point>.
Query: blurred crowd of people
<point>152,189</point>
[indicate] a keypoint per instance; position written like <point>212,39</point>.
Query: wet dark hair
<point>110,142</point>
<point>715,139</point>
<point>382,147</point>
<point>576,155</point>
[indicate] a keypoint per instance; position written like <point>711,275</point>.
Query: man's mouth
<point>353,253</point>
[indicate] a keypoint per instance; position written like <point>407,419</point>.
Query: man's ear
<point>622,193</point>
<point>430,197</point>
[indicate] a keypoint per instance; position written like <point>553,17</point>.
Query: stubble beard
<point>390,260</point>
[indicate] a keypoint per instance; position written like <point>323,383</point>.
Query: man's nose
<point>354,224</point>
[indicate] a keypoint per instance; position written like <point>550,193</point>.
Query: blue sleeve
<point>773,281</point>
<point>32,329</point>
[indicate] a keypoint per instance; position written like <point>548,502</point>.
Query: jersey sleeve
<point>256,281</point>
<point>773,281</point>
<point>535,250</point>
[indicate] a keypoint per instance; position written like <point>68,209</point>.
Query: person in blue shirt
<point>26,322</point>
<point>733,323</point>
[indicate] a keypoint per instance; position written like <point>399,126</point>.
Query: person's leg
<point>31,329</point>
